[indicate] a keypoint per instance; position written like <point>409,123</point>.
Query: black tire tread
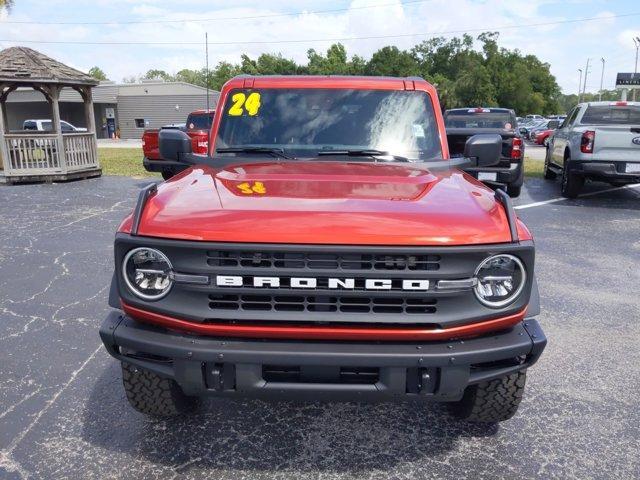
<point>154,395</point>
<point>548,174</point>
<point>514,191</point>
<point>492,401</point>
<point>571,183</point>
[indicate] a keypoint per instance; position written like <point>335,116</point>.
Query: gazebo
<point>28,155</point>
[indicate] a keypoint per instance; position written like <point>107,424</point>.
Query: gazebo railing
<point>32,153</point>
<point>36,154</point>
<point>80,151</point>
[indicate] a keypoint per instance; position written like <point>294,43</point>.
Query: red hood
<point>326,203</point>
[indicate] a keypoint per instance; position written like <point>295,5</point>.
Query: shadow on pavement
<point>272,436</point>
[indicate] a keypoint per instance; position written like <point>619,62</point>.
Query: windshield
<point>304,122</point>
<point>479,119</point>
<point>611,115</point>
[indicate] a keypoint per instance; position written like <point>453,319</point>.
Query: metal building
<point>124,109</point>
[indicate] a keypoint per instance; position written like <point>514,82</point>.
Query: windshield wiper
<point>274,152</point>
<point>373,153</point>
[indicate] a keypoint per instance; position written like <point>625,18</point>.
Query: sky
<point>129,37</point>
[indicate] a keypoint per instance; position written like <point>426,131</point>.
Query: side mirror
<point>486,148</point>
<point>174,144</point>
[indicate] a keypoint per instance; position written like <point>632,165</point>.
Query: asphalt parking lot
<point>63,412</point>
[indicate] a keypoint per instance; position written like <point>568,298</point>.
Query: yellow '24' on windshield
<point>241,103</point>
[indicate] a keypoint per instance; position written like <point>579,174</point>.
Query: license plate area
<point>487,176</point>
<point>632,168</point>
<point>320,374</point>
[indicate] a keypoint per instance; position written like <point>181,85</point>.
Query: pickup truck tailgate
<point>617,130</point>
<point>616,142</point>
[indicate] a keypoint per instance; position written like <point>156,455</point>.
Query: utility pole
<point>586,74</point>
<point>601,79</point>
<point>636,42</point>
<point>580,86</point>
<point>206,49</point>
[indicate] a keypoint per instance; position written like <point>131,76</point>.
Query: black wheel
<point>490,402</point>
<point>154,395</point>
<point>571,183</point>
<point>167,174</point>
<point>514,190</point>
<point>548,173</point>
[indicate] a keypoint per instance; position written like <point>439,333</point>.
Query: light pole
<point>580,86</point>
<point>601,80</point>
<point>586,74</point>
<point>636,42</point>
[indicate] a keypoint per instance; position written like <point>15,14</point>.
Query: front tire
<point>514,190</point>
<point>154,395</point>
<point>491,402</point>
<point>571,183</point>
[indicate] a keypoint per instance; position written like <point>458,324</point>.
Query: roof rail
<point>505,200</point>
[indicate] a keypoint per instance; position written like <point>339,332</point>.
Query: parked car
<point>330,250</point>
<point>598,141</point>
<point>46,125</point>
<point>542,137</point>
<point>463,123</point>
<point>534,117</point>
<point>526,129</point>
<point>197,127</point>
<point>545,125</point>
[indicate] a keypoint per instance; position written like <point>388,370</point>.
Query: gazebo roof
<point>25,65</point>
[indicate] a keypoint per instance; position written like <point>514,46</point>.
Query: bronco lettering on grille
<point>311,282</point>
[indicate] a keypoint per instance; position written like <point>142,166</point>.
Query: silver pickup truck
<point>598,141</point>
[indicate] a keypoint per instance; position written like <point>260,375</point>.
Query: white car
<point>46,125</point>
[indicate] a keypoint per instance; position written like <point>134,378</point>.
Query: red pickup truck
<point>326,247</point>
<point>197,127</point>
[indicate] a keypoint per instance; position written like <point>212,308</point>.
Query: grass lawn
<point>123,161</point>
<point>533,168</point>
<point>128,162</point>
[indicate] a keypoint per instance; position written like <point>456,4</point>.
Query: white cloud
<point>565,47</point>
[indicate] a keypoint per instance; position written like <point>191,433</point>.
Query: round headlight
<point>500,279</point>
<point>147,273</point>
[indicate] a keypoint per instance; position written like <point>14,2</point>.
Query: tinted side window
<point>29,125</point>
<point>66,127</point>
<point>47,126</point>
<point>572,117</point>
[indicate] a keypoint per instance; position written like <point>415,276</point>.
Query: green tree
<point>97,73</point>
<point>195,77</point>
<point>155,74</point>
<point>391,61</point>
<point>464,75</point>
<point>6,4</point>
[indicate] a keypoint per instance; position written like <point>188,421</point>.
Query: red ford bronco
<point>327,247</point>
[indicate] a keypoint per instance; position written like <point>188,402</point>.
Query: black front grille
<point>322,303</point>
<point>321,261</point>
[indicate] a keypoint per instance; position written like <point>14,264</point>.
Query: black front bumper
<point>437,371</point>
<point>162,166</point>
<point>611,171</point>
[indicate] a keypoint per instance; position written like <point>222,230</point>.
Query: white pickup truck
<point>597,141</point>
<point>46,125</point>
